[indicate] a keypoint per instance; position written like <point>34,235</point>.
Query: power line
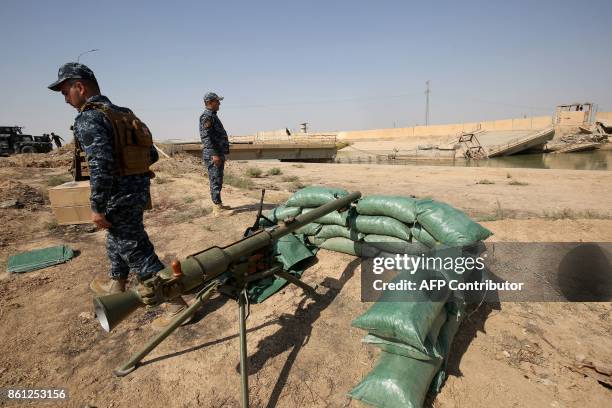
<point>86,52</point>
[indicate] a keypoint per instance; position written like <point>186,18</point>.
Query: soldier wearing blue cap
<point>119,149</point>
<point>215,145</point>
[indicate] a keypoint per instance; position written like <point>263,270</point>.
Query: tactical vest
<point>133,140</point>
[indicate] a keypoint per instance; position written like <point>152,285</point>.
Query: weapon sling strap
<point>133,140</point>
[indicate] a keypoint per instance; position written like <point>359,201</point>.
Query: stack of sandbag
<point>330,225</point>
<point>415,338</point>
<point>381,223</point>
<point>311,197</point>
<point>387,223</point>
<point>412,225</point>
<point>397,224</point>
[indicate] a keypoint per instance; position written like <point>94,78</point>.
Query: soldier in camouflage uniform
<point>215,145</point>
<point>117,201</point>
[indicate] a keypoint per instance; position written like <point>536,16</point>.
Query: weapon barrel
<point>212,262</point>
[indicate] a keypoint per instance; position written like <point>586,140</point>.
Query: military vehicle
<point>12,140</point>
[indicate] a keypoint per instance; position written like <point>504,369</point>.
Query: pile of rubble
<point>61,157</point>
<point>599,132</point>
<point>14,194</point>
<point>585,138</point>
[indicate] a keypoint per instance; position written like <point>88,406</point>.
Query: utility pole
<point>427,92</point>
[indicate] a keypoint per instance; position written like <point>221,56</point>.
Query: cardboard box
<point>70,194</point>
<point>72,215</point>
<point>70,202</point>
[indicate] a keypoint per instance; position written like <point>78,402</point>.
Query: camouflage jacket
<point>213,135</point>
<point>95,134</point>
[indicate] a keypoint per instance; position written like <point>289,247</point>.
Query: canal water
<point>591,160</point>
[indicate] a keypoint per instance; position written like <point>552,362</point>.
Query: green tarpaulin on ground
<point>38,259</point>
<point>293,252</point>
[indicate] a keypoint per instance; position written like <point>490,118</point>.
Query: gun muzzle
<point>112,309</point>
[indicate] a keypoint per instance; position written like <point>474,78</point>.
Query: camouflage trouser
<point>128,245</point>
<point>215,177</point>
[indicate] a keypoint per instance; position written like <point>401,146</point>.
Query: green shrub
<point>485,181</point>
<point>290,179</point>
<point>253,172</point>
<point>237,181</point>
<point>53,181</point>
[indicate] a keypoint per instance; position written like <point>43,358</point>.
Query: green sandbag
<point>309,229</point>
<point>332,231</point>
<point>280,213</point>
<point>395,245</point>
<point>424,237</point>
<point>381,225</point>
<point>332,218</point>
<point>396,382</point>
<point>315,240</point>
<point>398,207</point>
<point>345,245</point>
<point>406,321</point>
<point>455,315</point>
<point>449,225</point>
<point>383,238</point>
<point>314,196</point>
<point>395,347</point>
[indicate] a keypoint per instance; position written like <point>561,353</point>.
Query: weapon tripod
<point>241,275</point>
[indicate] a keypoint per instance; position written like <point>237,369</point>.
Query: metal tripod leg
<point>292,279</point>
<point>132,363</point>
<point>244,371</point>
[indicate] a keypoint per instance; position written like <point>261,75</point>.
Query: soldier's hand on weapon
<point>100,220</point>
<point>217,161</point>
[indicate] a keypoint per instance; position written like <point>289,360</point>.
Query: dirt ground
<point>301,353</point>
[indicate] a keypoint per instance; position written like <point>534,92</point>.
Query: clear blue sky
<point>339,65</point>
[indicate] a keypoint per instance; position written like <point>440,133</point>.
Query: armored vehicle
<point>12,140</point>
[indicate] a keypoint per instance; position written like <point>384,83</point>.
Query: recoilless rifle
<point>245,261</point>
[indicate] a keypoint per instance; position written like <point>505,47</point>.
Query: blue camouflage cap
<point>72,70</point>
<point>211,96</point>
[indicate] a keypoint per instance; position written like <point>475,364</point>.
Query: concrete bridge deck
<point>524,142</point>
<point>284,151</point>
